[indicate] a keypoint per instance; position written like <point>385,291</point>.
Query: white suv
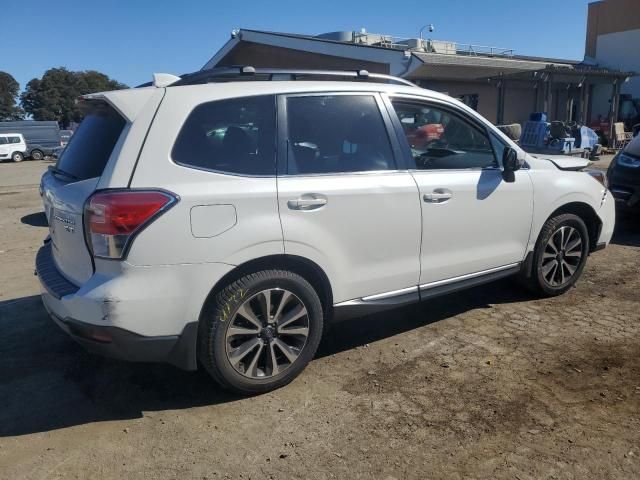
<point>12,147</point>
<point>223,218</point>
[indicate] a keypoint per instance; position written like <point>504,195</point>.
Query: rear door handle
<point>439,195</point>
<point>310,201</point>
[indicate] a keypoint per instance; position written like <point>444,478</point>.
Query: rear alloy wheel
<point>261,331</point>
<point>560,255</point>
<point>17,156</point>
<point>37,155</point>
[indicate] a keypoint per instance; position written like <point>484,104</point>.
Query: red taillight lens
<point>112,218</point>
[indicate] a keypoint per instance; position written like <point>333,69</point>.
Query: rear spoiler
<point>128,103</point>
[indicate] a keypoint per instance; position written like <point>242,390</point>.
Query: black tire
<point>17,156</point>
<point>37,155</point>
<point>544,256</point>
<point>222,311</point>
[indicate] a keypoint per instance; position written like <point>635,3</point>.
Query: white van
<point>13,146</point>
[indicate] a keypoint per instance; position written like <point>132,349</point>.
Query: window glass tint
<point>341,133</point>
<point>14,139</point>
<point>235,136</point>
<point>3,140</point>
<point>87,153</point>
<point>440,139</point>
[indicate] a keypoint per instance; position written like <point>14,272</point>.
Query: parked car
<point>624,176</point>
<point>12,146</point>
<point>217,221</point>
<point>42,137</point>
<point>65,136</point>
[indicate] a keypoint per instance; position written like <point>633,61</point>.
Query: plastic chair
<point>621,137</point>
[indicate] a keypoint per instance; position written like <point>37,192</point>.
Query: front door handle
<point>311,201</point>
<point>440,195</point>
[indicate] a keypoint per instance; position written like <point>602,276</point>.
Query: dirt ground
<point>488,383</point>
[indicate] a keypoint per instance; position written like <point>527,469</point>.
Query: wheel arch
<point>587,214</point>
<point>578,208</point>
<point>304,267</point>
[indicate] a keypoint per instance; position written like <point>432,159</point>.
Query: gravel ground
<point>488,383</point>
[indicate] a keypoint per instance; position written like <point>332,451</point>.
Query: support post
<point>548,97</point>
<point>500,112</point>
<point>613,115</point>
<point>582,104</point>
<point>569,105</point>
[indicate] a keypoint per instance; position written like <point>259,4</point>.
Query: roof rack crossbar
<point>274,74</point>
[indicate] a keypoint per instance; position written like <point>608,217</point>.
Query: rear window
<point>234,136</point>
<point>90,147</point>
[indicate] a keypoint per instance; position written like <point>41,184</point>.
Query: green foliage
<point>53,97</point>
<point>9,87</point>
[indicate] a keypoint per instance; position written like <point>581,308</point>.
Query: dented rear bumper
<point>135,313</point>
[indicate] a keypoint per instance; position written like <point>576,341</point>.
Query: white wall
<point>621,50</point>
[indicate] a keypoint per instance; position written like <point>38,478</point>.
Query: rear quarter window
<point>90,147</point>
<point>232,136</point>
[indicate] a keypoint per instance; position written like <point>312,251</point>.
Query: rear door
<point>74,178</point>
<point>346,201</point>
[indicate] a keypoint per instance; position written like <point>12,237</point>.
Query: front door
<point>344,202</point>
<point>473,221</point>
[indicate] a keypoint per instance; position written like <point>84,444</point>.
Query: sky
<point>130,40</point>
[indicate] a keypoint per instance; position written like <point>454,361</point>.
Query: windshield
<point>90,147</point>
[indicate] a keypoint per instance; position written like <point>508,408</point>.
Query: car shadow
<point>360,331</point>
<point>35,220</point>
<point>48,382</point>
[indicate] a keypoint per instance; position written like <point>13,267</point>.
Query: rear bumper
<point>114,342</point>
<point>143,314</point>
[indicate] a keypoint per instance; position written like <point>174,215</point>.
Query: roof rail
<point>240,73</point>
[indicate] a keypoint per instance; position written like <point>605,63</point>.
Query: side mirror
<point>510,164</point>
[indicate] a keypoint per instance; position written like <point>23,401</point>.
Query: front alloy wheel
<point>560,255</point>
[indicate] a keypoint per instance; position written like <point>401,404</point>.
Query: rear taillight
<point>113,218</point>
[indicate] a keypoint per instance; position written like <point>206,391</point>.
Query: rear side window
<point>335,134</point>
<point>87,153</point>
<point>14,139</point>
<point>234,136</point>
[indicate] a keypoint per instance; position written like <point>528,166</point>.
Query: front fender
<point>554,189</point>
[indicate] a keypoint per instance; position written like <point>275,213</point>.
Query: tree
<point>53,97</point>
<point>9,88</point>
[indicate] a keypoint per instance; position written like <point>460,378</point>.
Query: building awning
<point>286,50</point>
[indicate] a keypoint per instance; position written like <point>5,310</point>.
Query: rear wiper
<point>55,170</point>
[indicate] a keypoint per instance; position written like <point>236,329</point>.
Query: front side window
<point>336,134</point>
<point>235,136</point>
<point>442,140</point>
<point>3,140</point>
